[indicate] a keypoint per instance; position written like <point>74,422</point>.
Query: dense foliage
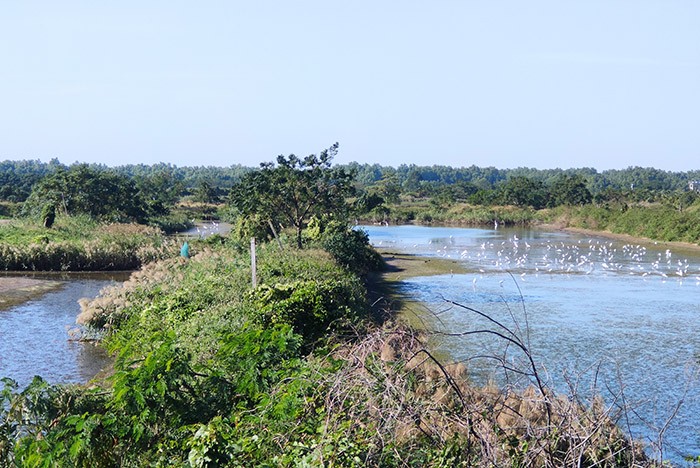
<point>17,178</point>
<point>195,353</point>
<point>657,222</point>
<point>290,192</point>
<point>82,190</point>
<point>349,247</point>
<point>412,178</point>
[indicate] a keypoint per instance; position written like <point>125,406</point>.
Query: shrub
<point>310,307</point>
<point>351,249</point>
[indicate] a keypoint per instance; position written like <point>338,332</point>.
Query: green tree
<point>160,190</point>
<point>82,189</point>
<point>293,190</point>
<point>523,191</point>
<point>680,200</point>
<point>18,177</point>
<point>205,193</point>
<point>389,187</point>
<point>412,182</point>
<point>570,190</point>
<point>367,202</point>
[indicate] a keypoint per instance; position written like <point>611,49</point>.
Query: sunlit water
<point>604,316</point>
<point>35,339</point>
<point>205,229</point>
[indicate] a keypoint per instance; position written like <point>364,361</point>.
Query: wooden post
<point>253,274</point>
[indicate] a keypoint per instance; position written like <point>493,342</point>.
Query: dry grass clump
<point>81,244</point>
<point>91,255</point>
<point>131,229</point>
<point>154,280</point>
<point>405,398</point>
<point>112,304</point>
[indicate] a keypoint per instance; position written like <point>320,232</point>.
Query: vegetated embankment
<point>653,222</point>
<point>80,244</point>
<point>301,369</point>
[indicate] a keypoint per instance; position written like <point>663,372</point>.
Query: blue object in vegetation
<point>185,250</point>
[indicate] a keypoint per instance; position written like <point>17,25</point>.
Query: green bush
<point>312,308</point>
<point>172,223</point>
<point>8,209</point>
<point>351,249</point>
<point>245,228</point>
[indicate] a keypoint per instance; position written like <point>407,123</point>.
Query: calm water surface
<point>34,338</point>
<point>607,317</point>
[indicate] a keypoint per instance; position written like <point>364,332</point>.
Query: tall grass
<point>80,244</point>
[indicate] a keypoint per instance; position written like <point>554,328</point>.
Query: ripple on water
<point>606,315</point>
<point>35,339</point>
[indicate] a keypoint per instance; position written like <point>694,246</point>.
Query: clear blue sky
<point>510,83</point>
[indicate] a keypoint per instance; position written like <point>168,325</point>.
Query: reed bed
<point>76,246</point>
<point>409,406</point>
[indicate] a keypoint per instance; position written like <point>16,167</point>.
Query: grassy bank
<point>656,222</point>
<point>425,212</point>
<point>660,222</point>
<point>80,244</point>
<point>300,371</point>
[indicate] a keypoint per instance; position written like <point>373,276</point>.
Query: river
<point>35,338</point>
<point>602,316</point>
<point>35,335</point>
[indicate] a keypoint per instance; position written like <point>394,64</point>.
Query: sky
<point>606,84</point>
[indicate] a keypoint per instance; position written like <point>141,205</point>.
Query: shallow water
<point>604,316</point>
<point>35,339</point>
<point>205,229</point>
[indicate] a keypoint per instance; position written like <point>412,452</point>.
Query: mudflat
<point>17,289</point>
<point>402,265</point>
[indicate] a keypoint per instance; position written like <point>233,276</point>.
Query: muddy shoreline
<point>17,289</point>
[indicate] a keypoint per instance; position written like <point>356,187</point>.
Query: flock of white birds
<point>522,258</point>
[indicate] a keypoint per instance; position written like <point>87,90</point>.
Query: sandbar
<point>17,289</point>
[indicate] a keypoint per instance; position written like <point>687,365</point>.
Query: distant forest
<point>17,178</point>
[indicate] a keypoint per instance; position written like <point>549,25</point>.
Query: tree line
<point>142,192</point>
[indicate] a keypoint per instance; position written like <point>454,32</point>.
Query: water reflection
<point>603,316</point>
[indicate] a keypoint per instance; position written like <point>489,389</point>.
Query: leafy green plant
<point>351,249</point>
<point>310,307</point>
